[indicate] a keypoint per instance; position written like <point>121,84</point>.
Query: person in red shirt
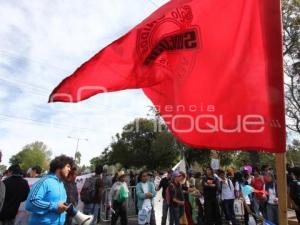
<point>259,200</point>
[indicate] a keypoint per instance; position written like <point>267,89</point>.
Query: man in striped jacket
<point>48,195</point>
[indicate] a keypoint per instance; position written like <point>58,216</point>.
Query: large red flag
<point>213,69</point>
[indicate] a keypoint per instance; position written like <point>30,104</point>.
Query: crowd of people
<point>246,196</point>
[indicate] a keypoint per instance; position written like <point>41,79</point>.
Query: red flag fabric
<point>212,68</point>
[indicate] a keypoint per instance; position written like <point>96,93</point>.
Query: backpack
<point>88,191</point>
<point>229,184</point>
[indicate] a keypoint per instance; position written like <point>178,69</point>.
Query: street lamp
<point>77,143</point>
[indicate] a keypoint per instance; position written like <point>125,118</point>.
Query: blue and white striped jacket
<point>43,200</point>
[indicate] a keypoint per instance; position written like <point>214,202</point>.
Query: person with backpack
<point>145,192</point>
<point>227,197</point>
<point>211,203</point>
<point>295,191</point>
<point>118,197</point>
<point>91,194</point>
<point>47,197</point>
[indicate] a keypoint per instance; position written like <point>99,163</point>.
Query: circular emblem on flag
<point>170,41</point>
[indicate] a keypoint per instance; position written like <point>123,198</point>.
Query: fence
<point>105,211</point>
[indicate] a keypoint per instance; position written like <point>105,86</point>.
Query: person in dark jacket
<point>211,204</point>
<point>164,184</point>
<point>93,208</point>
<point>17,190</point>
<point>295,191</point>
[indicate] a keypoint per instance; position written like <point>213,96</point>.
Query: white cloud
<point>41,42</point>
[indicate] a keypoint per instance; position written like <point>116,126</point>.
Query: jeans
<point>212,212</point>
<point>272,213</point>
<point>256,206</point>
<point>174,215</point>
<point>228,208</point>
<point>120,210</point>
<point>92,209</point>
<point>259,207</point>
<point>165,210</point>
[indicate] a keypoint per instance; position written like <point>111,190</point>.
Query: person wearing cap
<point>17,190</point>
<point>118,200</point>
<point>176,198</point>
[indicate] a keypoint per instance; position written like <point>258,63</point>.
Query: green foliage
<point>201,156</point>
<point>2,169</point>
<point>34,154</point>
<point>263,159</point>
<point>143,143</point>
<point>293,153</point>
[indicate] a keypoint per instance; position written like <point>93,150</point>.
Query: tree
<point>143,143</point>
<point>3,168</point>
<point>291,25</point>
<point>293,153</point>
<point>203,157</point>
<point>103,159</point>
<point>264,159</point>
<point>200,156</point>
<point>34,154</point>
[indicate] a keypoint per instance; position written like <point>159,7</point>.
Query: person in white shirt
<point>227,197</point>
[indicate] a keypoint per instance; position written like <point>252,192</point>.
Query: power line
<point>45,95</point>
<point>59,125</point>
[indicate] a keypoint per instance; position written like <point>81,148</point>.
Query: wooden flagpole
<point>281,188</point>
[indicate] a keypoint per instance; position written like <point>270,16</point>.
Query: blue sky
<point>42,42</point>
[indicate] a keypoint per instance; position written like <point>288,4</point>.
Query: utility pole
<point>77,143</point>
